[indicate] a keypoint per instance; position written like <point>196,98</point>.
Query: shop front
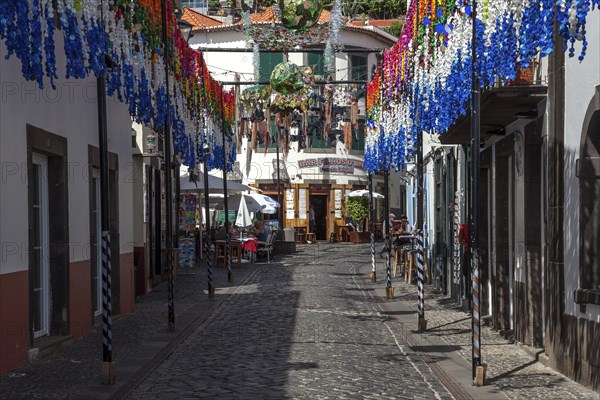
<point>321,182</point>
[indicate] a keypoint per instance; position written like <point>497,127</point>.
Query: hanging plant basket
<point>286,78</point>
<point>300,14</point>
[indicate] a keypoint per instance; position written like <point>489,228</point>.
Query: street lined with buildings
<point>310,325</point>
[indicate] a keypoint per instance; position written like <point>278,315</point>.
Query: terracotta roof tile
<point>269,16</point>
<point>199,20</point>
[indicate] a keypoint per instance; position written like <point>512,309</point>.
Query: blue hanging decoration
<point>73,45</point>
<point>144,100</point>
<point>49,47</point>
<point>35,43</point>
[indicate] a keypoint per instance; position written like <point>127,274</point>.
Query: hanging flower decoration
<point>300,14</point>
<point>423,83</point>
<point>129,33</point>
<point>286,78</point>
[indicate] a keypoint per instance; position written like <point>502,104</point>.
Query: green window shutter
<point>359,67</point>
<point>316,61</point>
<point>268,61</point>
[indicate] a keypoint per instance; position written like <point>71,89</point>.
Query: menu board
<point>289,204</point>
<point>302,204</point>
<point>337,198</point>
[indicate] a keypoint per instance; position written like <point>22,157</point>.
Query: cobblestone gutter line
<point>455,390</point>
<point>200,321</point>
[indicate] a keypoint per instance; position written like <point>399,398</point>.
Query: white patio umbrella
<point>364,193</point>
<point>269,205</point>
<point>243,215</point>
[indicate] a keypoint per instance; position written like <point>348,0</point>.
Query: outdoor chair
<point>266,247</point>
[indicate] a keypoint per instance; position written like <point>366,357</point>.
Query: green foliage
<point>395,29</point>
<point>357,208</point>
<point>384,9</point>
<point>213,6</point>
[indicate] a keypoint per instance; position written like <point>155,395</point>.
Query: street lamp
<point>186,29</point>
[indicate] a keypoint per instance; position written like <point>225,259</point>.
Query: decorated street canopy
<point>423,83</point>
<point>129,34</point>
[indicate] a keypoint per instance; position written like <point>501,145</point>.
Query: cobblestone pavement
<point>512,370</point>
<point>301,329</point>
<point>70,372</point>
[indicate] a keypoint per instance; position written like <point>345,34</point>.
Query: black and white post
<point>421,322</point>
<point>372,228</point>
<point>225,201</point>
<point>168,174</point>
<point>389,290</point>
<point>208,247</point>
<point>478,370</point>
<point>108,366</point>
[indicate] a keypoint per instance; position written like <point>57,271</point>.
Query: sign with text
<point>330,164</point>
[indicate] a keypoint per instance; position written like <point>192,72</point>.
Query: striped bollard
<point>373,269</point>
<point>108,366</point>
<point>420,282</point>
<point>389,290</point>
<point>479,369</point>
<point>211,288</point>
<point>228,256</point>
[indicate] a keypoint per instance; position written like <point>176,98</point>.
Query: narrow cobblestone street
<point>310,325</point>
<point>300,330</point>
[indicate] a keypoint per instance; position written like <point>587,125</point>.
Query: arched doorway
<point>588,172</point>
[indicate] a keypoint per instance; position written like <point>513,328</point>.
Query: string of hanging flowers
<point>129,33</point>
<point>423,83</point>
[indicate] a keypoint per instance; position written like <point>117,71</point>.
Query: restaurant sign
<point>329,164</point>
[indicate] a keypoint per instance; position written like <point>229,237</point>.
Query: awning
<point>498,109</point>
<point>215,184</point>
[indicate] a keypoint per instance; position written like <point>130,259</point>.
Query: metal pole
<point>295,50</point>
<point>344,82</point>
<point>168,186</point>
<point>225,201</point>
<point>279,214</point>
<point>474,231</point>
<point>388,244</point>
<point>211,289</point>
<point>372,229</point>
<point>107,368</point>
<point>420,236</point>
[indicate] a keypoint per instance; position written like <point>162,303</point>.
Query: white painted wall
<point>223,67</point>
<point>69,111</point>
<point>580,81</point>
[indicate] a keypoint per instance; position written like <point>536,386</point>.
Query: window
<point>358,65</point>
<point>196,4</point>
<point>268,61</point>
<point>316,62</point>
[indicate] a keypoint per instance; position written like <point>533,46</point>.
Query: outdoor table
<point>221,245</point>
<point>343,232</point>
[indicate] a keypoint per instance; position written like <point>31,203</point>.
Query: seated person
<point>403,228</point>
<point>260,231</point>
<point>352,226</point>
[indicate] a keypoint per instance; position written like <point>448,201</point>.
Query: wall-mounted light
<point>151,143</point>
<point>133,138</point>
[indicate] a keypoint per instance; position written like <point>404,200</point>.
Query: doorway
<point>39,267</point>
<point>319,203</point>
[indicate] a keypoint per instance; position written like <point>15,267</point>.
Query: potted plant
<point>357,210</point>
